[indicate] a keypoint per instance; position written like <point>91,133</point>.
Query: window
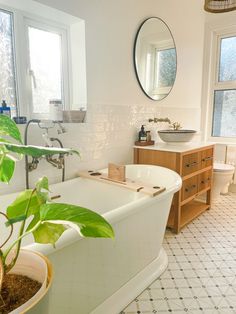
<point>45,63</point>
<point>45,68</point>
<point>7,62</point>
<point>162,77</point>
<point>223,91</point>
<point>165,68</point>
<point>42,58</point>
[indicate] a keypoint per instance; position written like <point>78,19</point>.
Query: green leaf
<point>90,223</point>
<point>42,189</point>
<point>12,221</point>
<point>7,167</point>
<point>48,233</point>
<point>9,127</point>
<point>3,140</point>
<point>34,221</point>
<point>37,151</point>
<point>17,209</point>
<point>42,184</point>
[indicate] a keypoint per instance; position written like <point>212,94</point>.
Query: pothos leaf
<point>42,189</point>
<point>18,207</point>
<point>37,151</point>
<point>42,184</point>
<point>7,167</point>
<point>8,127</point>
<point>48,233</point>
<point>87,222</point>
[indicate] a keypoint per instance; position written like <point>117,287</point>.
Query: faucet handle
<point>155,120</point>
<point>34,164</point>
<point>61,129</point>
<point>47,139</point>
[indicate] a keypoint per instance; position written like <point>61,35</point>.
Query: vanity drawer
<point>190,187</point>
<point>190,163</point>
<point>204,180</point>
<point>206,158</point>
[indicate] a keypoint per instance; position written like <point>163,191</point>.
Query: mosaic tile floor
<point>201,275</point>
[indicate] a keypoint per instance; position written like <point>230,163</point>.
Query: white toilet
<point>222,176</point>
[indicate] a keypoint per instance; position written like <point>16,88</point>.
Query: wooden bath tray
<point>128,184</point>
<point>144,143</point>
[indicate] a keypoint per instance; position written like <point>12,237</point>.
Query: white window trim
<point>21,20</point>
<point>75,85</point>
<point>210,77</point>
<point>162,45</point>
<point>12,13</point>
<point>66,77</point>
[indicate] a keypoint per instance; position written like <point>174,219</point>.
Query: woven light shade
<point>219,6</point>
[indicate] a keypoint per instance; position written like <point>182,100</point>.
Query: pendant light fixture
<point>219,6</point>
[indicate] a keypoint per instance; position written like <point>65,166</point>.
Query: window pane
<point>165,68</point>
<point>7,77</point>
<point>45,62</point>
<point>227,70</point>
<point>224,115</point>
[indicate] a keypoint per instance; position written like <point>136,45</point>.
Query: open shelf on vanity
<point>189,211</point>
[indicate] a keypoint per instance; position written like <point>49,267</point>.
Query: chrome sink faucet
<point>155,120</point>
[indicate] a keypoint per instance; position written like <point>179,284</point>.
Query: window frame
<point>155,48</point>
<point>21,20</point>
<point>3,8</point>
<point>48,27</point>
<point>213,36</point>
<point>164,91</point>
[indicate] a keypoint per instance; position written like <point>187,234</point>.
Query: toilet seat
<point>218,167</point>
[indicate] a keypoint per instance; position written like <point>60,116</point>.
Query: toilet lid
<point>223,167</point>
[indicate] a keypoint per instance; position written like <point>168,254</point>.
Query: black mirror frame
<point>134,54</point>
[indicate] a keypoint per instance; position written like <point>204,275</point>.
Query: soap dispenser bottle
<point>5,109</point>
<point>142,135</point>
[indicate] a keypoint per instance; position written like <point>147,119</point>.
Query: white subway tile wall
<point>107,136</point>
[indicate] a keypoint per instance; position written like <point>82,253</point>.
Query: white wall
<point>110,30</point>
<point>116,105</point>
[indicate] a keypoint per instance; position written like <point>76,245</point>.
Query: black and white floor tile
<point>201,275</point>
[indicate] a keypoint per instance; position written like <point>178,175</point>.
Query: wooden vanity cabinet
<point>195,166</point>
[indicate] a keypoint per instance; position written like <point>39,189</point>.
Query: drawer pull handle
<point>206,181</point>
<point>207,158</point>
<point>190,188</point>
<point>192,164</point>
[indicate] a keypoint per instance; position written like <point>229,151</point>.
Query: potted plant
<point>37,215</point>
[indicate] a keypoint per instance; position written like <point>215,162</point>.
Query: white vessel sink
<point>173,136</point>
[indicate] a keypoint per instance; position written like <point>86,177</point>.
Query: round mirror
<point>155,58</point>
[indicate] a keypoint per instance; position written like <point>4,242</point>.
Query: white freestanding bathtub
<point>101,276</point>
